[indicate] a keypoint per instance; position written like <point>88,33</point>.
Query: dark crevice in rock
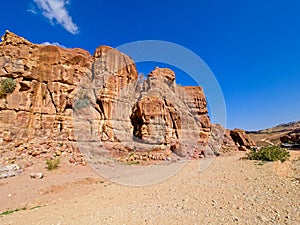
<point>51,97</point>
<point>98,110</point>
<point>174,126</point>
<point>68,106</point>
<point>70,91</point>
<point>26,68</point>
<point>24,87</point>
<point>28,79</point>
<point>60,127</point>
<point>99,103</point>
<point>98,106</point>
<point>5,69</point>
<point>136,123</point>
<point>93,71</point>
<point>10,76</point>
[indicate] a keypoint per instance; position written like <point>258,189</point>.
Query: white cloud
<point>32,10</point>
<point>55,11</point>
<point>53,43</point>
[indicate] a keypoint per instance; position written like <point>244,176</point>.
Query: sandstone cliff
<point>66,100</point>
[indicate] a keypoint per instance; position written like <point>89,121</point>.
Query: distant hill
<point>272,135</point>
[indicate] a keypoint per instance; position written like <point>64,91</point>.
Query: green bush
<point>52,164</point>
<point>270,153</point>
<point>7,86</point>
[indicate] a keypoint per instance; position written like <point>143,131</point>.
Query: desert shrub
<point>7,86</point>
<point>270,153</point>
<point>52,164</point>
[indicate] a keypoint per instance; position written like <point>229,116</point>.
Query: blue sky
<point>252,47</point>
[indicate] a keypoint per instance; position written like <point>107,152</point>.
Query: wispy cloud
<point>53,43</point>
<point>32,10</point>
<point>56,11</point>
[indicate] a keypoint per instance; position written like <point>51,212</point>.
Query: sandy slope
<point>272,135</point>
<point>230,191</point>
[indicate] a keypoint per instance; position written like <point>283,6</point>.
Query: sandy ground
<point>229,191</point>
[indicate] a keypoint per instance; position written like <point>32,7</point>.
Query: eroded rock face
<point>66,97</point>
<point>46,79</point>
<point>242,139</point>
<point>39,111</point>
<point>224,140</point>
<point>173,116</point>
<point>220,140</point>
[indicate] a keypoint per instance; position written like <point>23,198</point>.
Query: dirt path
<point>266,141</point>
<point>230,191</point>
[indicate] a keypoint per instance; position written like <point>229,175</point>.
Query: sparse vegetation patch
<point>270,153</point>
<point>52,164</point>
<point>7,86</point>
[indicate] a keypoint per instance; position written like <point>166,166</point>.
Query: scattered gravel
<point>230,191</point>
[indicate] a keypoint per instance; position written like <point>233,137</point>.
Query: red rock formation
<point>112,72</point>
<point>39,111</point>
<point>46,78</point>
<point>242,139</point>
<point>163,73</point>
<point>66,97</point>
<point>196,101</point>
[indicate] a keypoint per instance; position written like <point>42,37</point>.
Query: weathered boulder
<point>37,175</point>
<point>241,139</point>
<point>9,171</point>
<point>292,137</point>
